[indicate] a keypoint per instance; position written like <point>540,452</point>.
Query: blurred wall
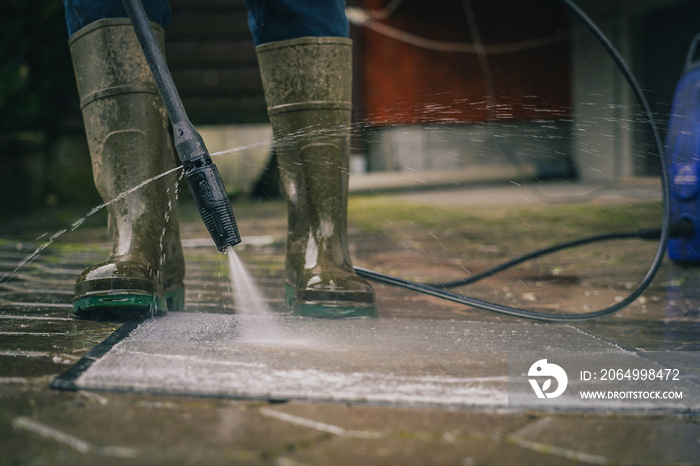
<point>211,56</point>
<point>600,135</point>
<point>43,153</point>
<point>611,138</point>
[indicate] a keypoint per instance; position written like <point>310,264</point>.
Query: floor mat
<point>376,361</point>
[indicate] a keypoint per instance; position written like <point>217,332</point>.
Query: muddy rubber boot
<point>129,142</point>
<point>307,84</point>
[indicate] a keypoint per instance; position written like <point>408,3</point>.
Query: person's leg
<point>129,142</point>
<point>80,13</point>
<point>276,20</point>
<point>305,61</point>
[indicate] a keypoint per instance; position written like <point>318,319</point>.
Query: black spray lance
<point>201,173</point>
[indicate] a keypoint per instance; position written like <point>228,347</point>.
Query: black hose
<point>202,176</point>
<point>642,234</point>
<point>156,61</point>
<point>438,289</point>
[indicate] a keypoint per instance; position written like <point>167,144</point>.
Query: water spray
<point>202,176</point>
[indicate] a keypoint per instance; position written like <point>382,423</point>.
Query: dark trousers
<point>269,20</point>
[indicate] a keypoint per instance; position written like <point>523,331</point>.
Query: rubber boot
<point>129,142</point>
<point>307,84</point>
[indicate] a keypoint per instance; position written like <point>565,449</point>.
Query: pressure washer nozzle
<point>206,187</point>
<point>213,204</point>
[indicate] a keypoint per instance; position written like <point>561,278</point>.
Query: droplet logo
<point>551,371</point>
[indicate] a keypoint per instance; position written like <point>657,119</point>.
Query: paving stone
<point>601,440</point>
<point>389,361</point>
<point>413,450</point>
<point>374,421</point>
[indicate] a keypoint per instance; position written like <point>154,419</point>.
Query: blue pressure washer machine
<point>683,162</point>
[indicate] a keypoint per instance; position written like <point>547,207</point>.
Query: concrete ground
<point>426,235</point>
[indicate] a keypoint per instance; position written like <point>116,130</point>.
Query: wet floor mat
<point>381,361</point>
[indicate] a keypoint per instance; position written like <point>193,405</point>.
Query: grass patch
<point>383,214</point>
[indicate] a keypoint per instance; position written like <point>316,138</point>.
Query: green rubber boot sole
<point>118,306</point>
<point>126,305</point>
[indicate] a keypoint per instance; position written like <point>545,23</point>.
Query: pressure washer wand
<point>202,175</point>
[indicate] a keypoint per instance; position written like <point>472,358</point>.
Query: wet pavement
<point>425,236</point>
